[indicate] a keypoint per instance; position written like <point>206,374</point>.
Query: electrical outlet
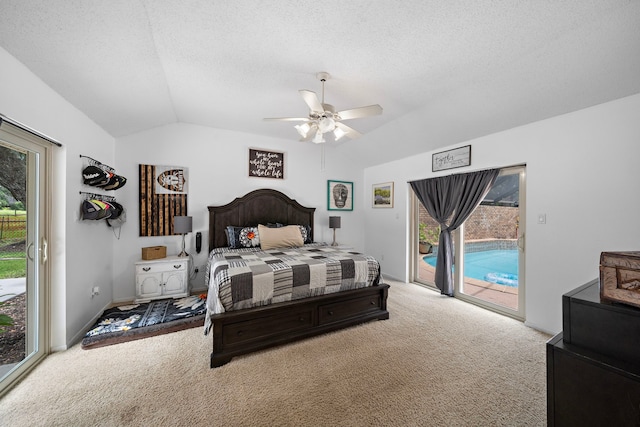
<point>95,291</point>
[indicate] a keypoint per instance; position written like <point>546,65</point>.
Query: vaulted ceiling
<point>477,65</point>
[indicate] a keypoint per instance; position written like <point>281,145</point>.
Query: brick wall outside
<point>486,222</point>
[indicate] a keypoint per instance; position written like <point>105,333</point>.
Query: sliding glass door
<point>489,247</point>
<point>23,253</point>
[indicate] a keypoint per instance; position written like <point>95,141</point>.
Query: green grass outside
<point>12,268</point>
<point>11,212</point>
<point>11,254</point>
<point>12,264</point>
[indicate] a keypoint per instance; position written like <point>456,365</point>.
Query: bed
<point>238,330</point>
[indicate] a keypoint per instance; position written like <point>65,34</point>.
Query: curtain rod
<point>470,171</point>
<point>28,129</point>
<point>454,173</point>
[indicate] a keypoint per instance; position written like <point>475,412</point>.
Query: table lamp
<point>182,225</point>
<point>334,222</point>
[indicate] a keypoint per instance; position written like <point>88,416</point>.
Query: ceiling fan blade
<point>355,113</point>
<point>349,132</point>
<point>311,99</point>
<point>288,119</point>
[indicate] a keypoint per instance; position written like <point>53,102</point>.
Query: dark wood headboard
<point>257,207</point>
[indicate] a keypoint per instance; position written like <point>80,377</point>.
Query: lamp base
<point>183,253</point>
<point>334,238</point>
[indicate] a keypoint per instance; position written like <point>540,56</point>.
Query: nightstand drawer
<point>161,267</point>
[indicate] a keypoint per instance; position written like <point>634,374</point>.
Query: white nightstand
<point>162,278</point>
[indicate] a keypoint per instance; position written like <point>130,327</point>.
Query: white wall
<point>218,173</point>
<point>581,171</point>
<point>80,253</point>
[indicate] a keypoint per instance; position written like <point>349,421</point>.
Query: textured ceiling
<point>476,66</point>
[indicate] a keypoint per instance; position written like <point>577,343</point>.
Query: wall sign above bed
<point>266,164</point>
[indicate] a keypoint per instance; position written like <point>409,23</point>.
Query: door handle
<point>45,250</point>
<point>29,248</point>
<point>521,242</point>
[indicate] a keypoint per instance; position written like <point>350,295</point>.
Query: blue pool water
<point>496,266</point>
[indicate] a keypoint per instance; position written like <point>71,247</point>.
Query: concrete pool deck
<point>505,296</point>
<point>10,288</point>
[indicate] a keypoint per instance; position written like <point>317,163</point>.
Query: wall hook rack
<point>102,166</point>
<point>102,197</point>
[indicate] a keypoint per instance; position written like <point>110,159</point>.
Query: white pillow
<point>281,237</point>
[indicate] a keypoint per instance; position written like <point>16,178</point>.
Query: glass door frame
<point>414,262</point>
<point>458,274</point>
<point>37,333</point>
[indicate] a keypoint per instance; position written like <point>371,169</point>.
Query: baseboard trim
<point>80,334</point>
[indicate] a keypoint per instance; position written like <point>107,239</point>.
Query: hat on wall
<point>90,210</point>
<point>95,209</point>
<point>120,219</point>
<point>115,209</point>
<point>115,182</point>
<point>95,176</point>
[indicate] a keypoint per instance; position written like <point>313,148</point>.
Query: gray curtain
<point>450,200</point>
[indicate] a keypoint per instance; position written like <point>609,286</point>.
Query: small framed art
<point>339,195</point>
<point>383,195</point>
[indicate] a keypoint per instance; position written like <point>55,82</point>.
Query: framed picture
<point>383,195</point>
<point>266,164</point>
<point>339,195</point>
<point>451,159</point>
<point>163,195</point>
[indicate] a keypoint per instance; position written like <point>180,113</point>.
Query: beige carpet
<point>485,369</point>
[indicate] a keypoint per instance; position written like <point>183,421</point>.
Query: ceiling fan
<point>323,118</point>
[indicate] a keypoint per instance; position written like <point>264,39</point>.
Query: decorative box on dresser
<point>162,278</point>
<point>593,365</point>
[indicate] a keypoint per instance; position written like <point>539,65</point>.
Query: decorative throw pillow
<point>282,237</point>
<point>308,239</point>
<point>233,236</point>
<point>304,230</point>
<point>249,237</point>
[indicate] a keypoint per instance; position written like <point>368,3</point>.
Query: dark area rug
<point>136,321</point>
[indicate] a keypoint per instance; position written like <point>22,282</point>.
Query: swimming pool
<point>495,266</point>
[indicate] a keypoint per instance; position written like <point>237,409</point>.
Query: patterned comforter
<point>244,278</point>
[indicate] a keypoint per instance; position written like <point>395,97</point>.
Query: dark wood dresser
<point>593,365</point>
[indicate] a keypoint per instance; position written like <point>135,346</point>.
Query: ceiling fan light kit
<point>323,118</point>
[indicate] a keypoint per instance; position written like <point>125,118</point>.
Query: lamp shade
<point>182,224</point>
<point>334,222</point>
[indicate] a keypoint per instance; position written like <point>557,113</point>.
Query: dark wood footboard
<point>246,331</point>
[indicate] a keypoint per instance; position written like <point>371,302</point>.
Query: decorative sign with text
<point>266,164</point>
<point>456,158</point>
